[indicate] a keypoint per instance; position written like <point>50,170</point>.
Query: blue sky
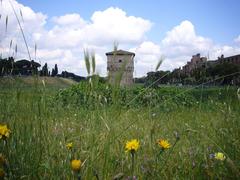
<point>172,29</point>
<point>217,19</point>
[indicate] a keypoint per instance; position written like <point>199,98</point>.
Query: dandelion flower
<point>4,131</point>
<point>164,144</point>
<point>76,164</point>
<point>132,146</point>
<point>219,156</point>
<point>69,145</point>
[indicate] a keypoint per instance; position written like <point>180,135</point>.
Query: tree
<point>6,66</point>
<point>56,69</point>
<point>53,72</point>
<point>45,70</point>
<point>224,69</point>
<point>158,77</point>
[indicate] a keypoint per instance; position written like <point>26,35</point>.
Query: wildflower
<point>2,160</point>
<point>2,173</point>
<point>69,145</point>
<point>211,156</point>
<point>219,156</point>
<point>76,164</point>
<point>132,146</point>
<point>164,144</point>
<point>132,178</point>
<point>4,131</point>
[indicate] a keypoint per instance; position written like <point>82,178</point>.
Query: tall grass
<point>41,128</point>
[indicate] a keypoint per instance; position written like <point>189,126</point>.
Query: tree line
<point>220,74</point>
<point>23,67</point>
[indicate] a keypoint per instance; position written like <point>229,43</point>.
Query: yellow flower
<point>2,160</point>
<point>4,131</point>
<point>132,146</point>
<point>219,156</point>
<point>2,173</point>
<point>76,164</point>
<point>69,145</point>
<point>164,144</point>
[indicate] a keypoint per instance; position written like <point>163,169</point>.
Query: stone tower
<point>120,64</point>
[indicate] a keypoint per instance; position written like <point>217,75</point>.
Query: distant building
<point>120,64</point>
<point>201,62</point>
<point>196,62</point>
<point>231,59</point>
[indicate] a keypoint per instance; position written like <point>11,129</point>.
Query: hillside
<point>28,81</point>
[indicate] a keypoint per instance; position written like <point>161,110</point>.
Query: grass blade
<point>16,50</point>
<point>93,62</point>
<point>115,46</point>
<point>87,60</point>
<point>10,44</point>
<point>6,23</point>
<point>21,15</point>
<point>35,51</point>
<point>19,24</point>
<point>160,61</point>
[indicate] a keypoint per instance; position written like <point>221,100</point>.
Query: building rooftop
<point>120,52</point>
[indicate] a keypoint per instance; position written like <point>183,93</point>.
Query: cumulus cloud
<point>64,42</point>
<point>183,40</point>
<point>147,56</point>
<point>113,23</point>
<point>106,26</point>
<point>225,50</point>
<point>33,22</point>
<point>179,44</point>
<point>72,20</point>
<point>70,34</point>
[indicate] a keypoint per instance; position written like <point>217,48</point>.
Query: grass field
<point>28,81</point>
<point>197,124</point>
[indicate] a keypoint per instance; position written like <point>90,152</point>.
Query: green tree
<point>44,70</point>
<point>56,69</point>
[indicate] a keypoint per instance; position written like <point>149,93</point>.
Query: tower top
<point>120,52</point>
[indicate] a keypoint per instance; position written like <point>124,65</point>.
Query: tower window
<point>120,60</point>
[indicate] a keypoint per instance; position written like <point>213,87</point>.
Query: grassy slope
<point>29,81</point>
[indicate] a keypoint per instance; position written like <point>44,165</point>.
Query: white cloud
<point>146,58</point>
<point>114,24</point>
<point>63,44</point>
<point>105,27</point>
<point>179,44</point>
<point>33,21</point>
<point>72,20</point>
<point>226,50</point>
<point>183,40</point>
